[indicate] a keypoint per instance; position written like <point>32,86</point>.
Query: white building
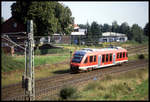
<point>113,37</point>
<point>78,30</point>
<point>77,34</point>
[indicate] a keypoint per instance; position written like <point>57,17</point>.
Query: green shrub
<point>44,51</point>
<point>141,56</point>
<point>68,92</point>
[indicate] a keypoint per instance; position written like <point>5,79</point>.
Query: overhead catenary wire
<point>18,37</point>
<point>52,38</point>
<point>13,42</point>
<point>19,44</point>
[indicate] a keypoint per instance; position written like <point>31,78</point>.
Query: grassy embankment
<point>131,85</point>
<point>45,65</point>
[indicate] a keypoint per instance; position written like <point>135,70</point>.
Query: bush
<point>141,56</point>
<point>68,92</point>
<point>44,51</point>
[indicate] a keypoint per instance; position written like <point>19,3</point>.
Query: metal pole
<point>31,58</point>
<point>28,77</point>
<point>25,59</point>
<point>25,73</point>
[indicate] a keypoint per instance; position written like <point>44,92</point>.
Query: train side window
<point>106,57</point>
<point>110,57</point>
<point>86,60</point>
<point>117,55</point>
<point>126,54</point>
<point>103,58</point>
<point>91,58</point>
<point>123,54</point>
<point>95,58</point>
<point>120,54</point>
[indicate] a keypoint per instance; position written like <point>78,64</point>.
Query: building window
<point>15,25</point>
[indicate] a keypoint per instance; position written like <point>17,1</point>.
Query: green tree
<point>64,17</point>
<point>88,34</point>
<point>124,28</point>
<point>2,20</point>
<point>96,32</point>
<point>115,27</point>
<point>101,28</point>
<point>136,33</point>
<point>48,17</point>
<point>106,28</point>
<point>146,29</point>
<point>82,26</point>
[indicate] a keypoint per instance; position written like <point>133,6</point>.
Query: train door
<point>114,58</point>
<point>99,60</point>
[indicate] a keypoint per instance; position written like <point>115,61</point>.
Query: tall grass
<point>45,59</point>
<point>132,85</point>
<point>51,51</point>
<point>41,60</point>
<point>8,63</point>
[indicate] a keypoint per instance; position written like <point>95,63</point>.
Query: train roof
<point>91,50</point>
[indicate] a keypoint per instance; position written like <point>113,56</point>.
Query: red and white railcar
<point>89,59</point>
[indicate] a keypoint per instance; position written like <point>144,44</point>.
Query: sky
<point>101,12</point>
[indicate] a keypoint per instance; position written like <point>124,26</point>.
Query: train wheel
<point>120,64</point>
<point>92,69</point>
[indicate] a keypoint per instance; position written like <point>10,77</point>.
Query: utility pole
<point>28,81</point>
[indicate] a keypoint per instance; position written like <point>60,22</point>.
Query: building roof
<point>112,34</point>
<point>76,26</point>
<point>77,33</point>
<point>56,34</point>
<point>13,25</point>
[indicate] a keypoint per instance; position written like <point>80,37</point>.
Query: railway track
<point>54,83</point>
<point>137,49</point>
<point>77,78</point>
<point>138,46</point>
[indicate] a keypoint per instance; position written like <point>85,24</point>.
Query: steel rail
<point>48,89</point>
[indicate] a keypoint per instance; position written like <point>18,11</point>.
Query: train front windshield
<point>77,58</point>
